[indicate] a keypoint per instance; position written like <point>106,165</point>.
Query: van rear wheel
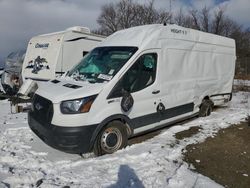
<point>206,108</point>
<point>112,138</point>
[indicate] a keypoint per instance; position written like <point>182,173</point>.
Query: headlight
<point>78,105</point>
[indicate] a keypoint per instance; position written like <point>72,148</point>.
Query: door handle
<point>156,92</point>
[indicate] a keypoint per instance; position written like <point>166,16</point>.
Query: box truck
<point>137,80</point>
<point>50,55</point>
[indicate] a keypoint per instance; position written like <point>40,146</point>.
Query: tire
<point>206,108</point>
<point>112,138</point>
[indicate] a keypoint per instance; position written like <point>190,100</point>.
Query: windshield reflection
<point>102,64</point>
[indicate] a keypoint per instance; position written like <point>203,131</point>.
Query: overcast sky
<point>22,19</point>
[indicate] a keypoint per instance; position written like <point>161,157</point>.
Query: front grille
<point>42,110</point>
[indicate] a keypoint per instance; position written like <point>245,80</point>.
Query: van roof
<point>149,36</point>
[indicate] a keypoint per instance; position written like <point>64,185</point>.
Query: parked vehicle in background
<point>53,54</point>
<point>10,79</point>
<point>49,56</point>
<point>137,80</point>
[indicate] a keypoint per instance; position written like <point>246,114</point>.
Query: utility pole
<point>170,11</point>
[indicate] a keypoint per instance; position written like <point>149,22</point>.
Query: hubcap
<point>111,140</point>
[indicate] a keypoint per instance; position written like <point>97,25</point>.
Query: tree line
<point>127,13</point>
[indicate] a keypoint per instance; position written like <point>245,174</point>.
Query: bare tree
<point>213,22</point>
<point>242,39</point>
<point>126,13</point>
<point>218,22</point>
<point>147,14</point>
<point>195,16</point>
<point>179,18</point>
<point>230,27</point>
<point>108,20</point>
<point>184,20</point>
<point>205,19</point>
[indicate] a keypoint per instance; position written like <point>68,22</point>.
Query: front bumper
<point>67,139</point>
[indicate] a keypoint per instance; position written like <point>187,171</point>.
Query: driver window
<point>141,75</point>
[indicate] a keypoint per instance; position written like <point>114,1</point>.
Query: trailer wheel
<point>112,138</point>
<point>206,108</point>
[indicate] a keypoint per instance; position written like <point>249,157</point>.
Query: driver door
<point>141,81</point>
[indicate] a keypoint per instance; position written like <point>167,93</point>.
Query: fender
<point>106,121</point>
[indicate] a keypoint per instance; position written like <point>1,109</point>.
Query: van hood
<point>62,89</point>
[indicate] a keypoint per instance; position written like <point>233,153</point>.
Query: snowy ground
<point>242,82</point>
<point>25,161</point>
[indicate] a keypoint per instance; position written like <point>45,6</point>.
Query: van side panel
<point>178,83</point>
<point>195,70</point>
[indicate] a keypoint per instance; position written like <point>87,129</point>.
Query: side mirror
<point>127,101</point>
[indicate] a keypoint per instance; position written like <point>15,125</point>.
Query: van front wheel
<point>112,138</point>
<point>206,108</point>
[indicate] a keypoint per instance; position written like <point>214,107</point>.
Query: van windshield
<point>102,63</point>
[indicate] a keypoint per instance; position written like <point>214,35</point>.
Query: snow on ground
<point>25,161</point>
<point>241,82</point>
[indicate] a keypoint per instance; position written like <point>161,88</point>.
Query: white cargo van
<point>137,80</point>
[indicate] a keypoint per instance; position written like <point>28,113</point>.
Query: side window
<point>141,75</point>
